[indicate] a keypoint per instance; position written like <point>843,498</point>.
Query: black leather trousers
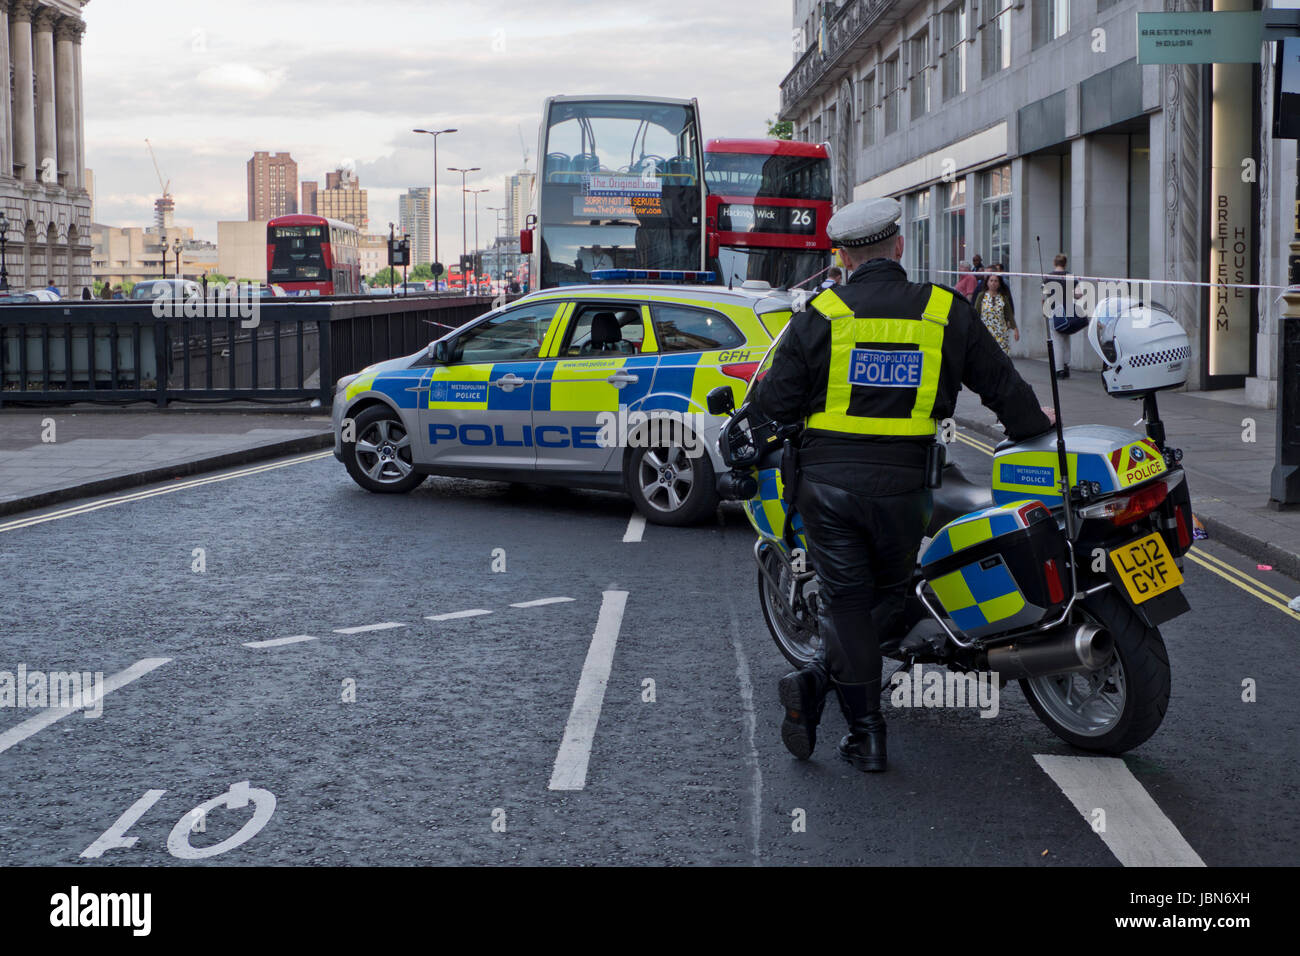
<point>864,549</point>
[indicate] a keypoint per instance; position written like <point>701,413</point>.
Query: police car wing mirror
<point>720,401</point>
<point>438,352</point>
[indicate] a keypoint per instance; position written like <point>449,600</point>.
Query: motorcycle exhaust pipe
<point>1069,648</point>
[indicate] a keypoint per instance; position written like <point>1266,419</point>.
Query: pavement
<point>486,673</point>
<point>1228,452</point>
<point>52,455</point>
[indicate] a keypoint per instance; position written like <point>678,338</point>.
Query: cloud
<point>241,79</point>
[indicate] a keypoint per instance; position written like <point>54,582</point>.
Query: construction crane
<point>165,185</point>
<point>523,144</point>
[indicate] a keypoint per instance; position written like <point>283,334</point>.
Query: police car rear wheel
<point>380,458</point>
<point>671,487</point>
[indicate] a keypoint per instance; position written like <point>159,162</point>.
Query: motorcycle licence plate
<point>1146,567</point>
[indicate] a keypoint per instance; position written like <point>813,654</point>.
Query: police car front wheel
<point>670,486</point>
<point>380,457</point>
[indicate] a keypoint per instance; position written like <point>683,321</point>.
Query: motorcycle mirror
<point>720,401</point>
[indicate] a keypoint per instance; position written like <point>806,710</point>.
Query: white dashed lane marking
<point>363,628</point>
<point>540,601</point>
<point>570,772</point>
<point>1135,828</point>
<point>635,528</point>
<point>281,641</point>
<point>454,615</point>
<point>33,725</point>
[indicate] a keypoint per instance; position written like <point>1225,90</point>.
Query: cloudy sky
<point>336,82</point>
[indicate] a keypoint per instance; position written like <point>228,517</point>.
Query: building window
<point>954,61</point>
<point>995,216</point>
<point>919,57</point>
<point>867,98</point>
<point>1105,4</point>
<point>953,226</point>
<point>891,94</point>
<point>1051,20</point>
<point>997,36</point>
<point>916,248</point>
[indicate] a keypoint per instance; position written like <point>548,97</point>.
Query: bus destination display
<point>734,217</point>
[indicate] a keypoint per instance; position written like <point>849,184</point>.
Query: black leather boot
<point>864,744</point>
<point>803,695</point>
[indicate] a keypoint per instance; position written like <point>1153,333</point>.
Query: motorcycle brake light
<point>741,370</point>
<point>1126,509</point>
<point>1055,591</point>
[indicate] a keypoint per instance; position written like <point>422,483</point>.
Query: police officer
<point>870,368</point>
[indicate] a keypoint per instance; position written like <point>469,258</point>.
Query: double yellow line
<point>165,490</point>
<point>1257,588</point>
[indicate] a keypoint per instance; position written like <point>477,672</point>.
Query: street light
<point>464,212</point>
<point>496,241</point>
<point>435,133</point>
<point>176,248</point>
<point>477,248</point>
<point>4,238</point>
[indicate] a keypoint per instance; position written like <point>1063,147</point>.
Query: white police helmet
<point>1142,347</point>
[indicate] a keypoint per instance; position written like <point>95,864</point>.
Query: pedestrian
<point>118,293</point>
<point>1059,306</point>
<point>834,275</point>
<point>86,293</point>
<point>53,287</point>
<point>967,281</point>
<point>994,308</point>
<point>860,482</point>
<point>106,291</point>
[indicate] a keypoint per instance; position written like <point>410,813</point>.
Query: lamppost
<point>464,212</point>
<point>477,248</point>
<point>496,240</point>
<point>4,238</point>
<point>435,133</point>
<point>176,248</point>
<point>163,255</point>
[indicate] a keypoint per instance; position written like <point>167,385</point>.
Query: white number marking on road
<point>1137,830</point>
<point>570,772</point>
<point>453,615</point>
<point>33,725</point>
<point>540,601</point>
<point>281,641</point>
<point>236,798</point>
<point>361,629</point>
<point>115,836</point>
<point>635,528</point>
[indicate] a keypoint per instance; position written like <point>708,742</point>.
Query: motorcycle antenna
<point>1063,458</point>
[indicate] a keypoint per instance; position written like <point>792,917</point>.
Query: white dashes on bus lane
<point>392,625</point>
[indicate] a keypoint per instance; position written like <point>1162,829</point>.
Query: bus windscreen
<point>778,177</point>
<point>297,254</point>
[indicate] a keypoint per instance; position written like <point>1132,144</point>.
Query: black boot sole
<point>799,737</point>
<point>863,764</point>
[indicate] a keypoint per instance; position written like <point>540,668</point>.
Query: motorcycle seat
<point>957,496</point>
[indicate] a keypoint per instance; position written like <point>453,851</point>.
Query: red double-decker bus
<point>768,204</point>
<point>312,255</point>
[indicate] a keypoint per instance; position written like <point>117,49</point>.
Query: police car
<point>596,386</point>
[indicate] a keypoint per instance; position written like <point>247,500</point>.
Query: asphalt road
<point>461,725</point>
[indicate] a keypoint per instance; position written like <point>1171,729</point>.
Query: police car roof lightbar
<point>652,275</point>
<point>1062,457</point>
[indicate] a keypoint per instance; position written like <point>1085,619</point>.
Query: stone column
<point>6,124</point>
<point>43,54</point>
<point>24,112</point>
<point>65,95</point>
<point>79,110</point>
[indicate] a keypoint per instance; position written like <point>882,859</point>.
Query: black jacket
<point>795,386</point>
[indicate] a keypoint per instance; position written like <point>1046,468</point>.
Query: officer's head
<point>867,229</point>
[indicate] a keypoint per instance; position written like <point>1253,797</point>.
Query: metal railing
<point>120,352</point>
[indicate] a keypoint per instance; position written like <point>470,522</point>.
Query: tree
<point>780,129</point>
<point>387,276</point>
<point>422,272</point>
<point>216,278</point>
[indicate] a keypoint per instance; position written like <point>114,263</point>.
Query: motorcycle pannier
<point>1000,569</point>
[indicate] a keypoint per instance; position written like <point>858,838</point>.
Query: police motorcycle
<point>1066,599</point>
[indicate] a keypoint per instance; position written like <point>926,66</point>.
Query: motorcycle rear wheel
<point>789,619</point>
<point>1116,708</point>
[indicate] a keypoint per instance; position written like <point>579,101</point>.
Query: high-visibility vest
<point>869,353</point>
